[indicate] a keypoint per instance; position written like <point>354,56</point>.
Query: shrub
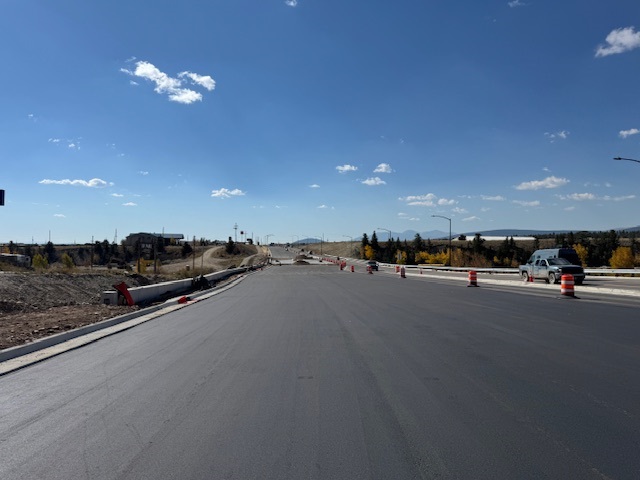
<point>67,261</point>
<point>39,262</point>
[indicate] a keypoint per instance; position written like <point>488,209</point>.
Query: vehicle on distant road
<point>373,264</point>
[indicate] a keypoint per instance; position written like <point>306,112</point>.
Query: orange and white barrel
<point>473,279</point>
<point>566,285</point>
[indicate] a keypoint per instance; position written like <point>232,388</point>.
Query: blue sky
<point>316,117</point>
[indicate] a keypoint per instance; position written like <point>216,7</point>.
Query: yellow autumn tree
<point>622,258</point>
<point>582,252</point>
<point>369,252</point>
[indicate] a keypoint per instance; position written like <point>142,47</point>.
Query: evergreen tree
<point>364,245</point>
<point>230,246</point>
<point>418,244</point>
<point>477,245</point>
<point>374,243</point>
<point>186,249</point>
<point>50,253</point>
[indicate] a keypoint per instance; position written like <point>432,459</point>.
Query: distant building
<point>148,240</point>
<point>15,259</point>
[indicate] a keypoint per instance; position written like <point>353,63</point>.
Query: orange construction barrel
<point>566,285</point>
<point>473,279</point>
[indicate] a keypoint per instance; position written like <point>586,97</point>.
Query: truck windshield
<point>558,261</point>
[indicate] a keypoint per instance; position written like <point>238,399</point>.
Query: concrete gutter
<point>15,358</point>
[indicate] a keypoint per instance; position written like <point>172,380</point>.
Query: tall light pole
<point>447,218</point>
<point>386,230</point>
<point>351,247</point>
<point>267,237</point>
<point>628,159</point>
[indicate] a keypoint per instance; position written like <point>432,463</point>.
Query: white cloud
<point>54,140</point>
<point>459,210</point>
<point>226,193</point>
<point>562,135</point>
<point>322,207</point>
<point>405,216</point>
<point>315,185</point>
<point>129,204</point>
<point>619,40</point>
<point>579,197</point>
<point>346,168</point>
<point>143,173</point>
<point>549,182</point>
<point>374,181</point>
<point>117,195</point>
<point>570,209</point>
<point>428,200</point>
<point>429,197</point>
<point>164,84</point>
<point>383,168</point>
<point>618,199</point>
<point>494,198</point>
<point>93,183</point>
<point>59,215</point>
<point>203,80</point>
<point>516,3</point>
<point>522,203</point>
<point>291,3</point>
<point>628,133</point>
<point>471,219</point>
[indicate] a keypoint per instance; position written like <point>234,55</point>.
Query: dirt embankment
<point>35,305</point>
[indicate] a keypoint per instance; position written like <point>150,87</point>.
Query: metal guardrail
<point>633,272</point>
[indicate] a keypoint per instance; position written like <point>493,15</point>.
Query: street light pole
<point>628,159</point>
<point>447,218</point>
<point>386,230</point>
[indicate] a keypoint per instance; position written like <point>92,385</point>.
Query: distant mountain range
<point>409,235</point>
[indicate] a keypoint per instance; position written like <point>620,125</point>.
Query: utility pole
<point>235,227</point>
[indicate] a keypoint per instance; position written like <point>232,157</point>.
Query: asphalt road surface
<point>309,372</point>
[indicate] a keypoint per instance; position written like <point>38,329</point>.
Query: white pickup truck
<point>551,270</point>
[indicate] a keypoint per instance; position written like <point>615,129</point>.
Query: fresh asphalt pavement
<point>312,372</point>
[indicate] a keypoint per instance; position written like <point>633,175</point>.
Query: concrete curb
<point>18,357</point>
<point>522,284</point>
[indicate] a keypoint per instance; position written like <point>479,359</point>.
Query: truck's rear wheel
<point>525,276</point>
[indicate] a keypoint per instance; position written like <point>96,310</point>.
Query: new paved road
<point>307,372</point>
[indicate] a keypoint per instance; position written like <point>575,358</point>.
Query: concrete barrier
<point>158,291</point>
